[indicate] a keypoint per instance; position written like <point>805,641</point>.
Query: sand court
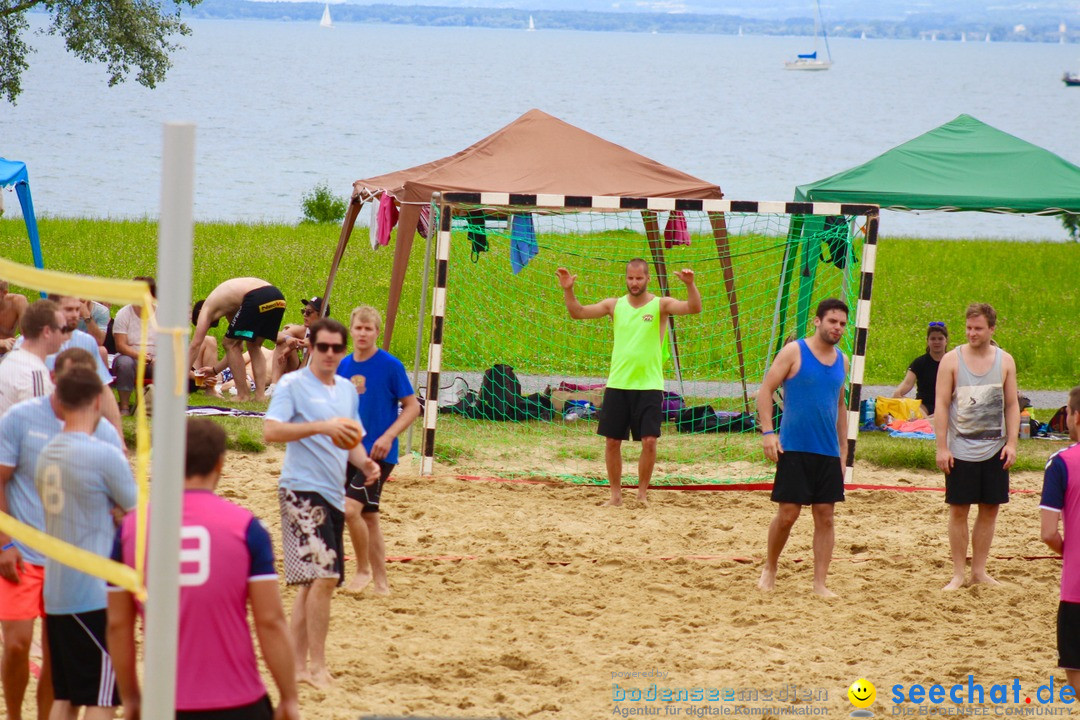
<point>532,600</point>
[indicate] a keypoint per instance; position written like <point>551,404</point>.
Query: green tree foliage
<point>321,205</point>
<point>1071,223</point>
<point>121,34</point>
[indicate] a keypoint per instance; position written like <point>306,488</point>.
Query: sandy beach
<point>531,600</point>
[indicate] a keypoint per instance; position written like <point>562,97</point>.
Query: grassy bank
<point>917,281</point>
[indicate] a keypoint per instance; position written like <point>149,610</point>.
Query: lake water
<point>281,106</point>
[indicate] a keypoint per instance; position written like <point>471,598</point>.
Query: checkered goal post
<point>514,385</point>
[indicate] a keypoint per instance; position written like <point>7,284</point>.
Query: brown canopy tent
<point>534,155</point>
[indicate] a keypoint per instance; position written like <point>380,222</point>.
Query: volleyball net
<point>80,525</point>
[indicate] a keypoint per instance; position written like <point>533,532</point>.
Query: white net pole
<point>170,406</point>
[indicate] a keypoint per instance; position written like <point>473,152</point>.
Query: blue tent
<point>13,172</point>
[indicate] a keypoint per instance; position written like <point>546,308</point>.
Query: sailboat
<point>532,25</point>
<point>326,22</point>
<point>810,61</point>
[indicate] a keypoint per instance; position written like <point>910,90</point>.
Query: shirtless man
<point>254,309</point>
<point>12,307</point>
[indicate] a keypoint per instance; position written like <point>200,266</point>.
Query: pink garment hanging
<point>423,225</point>
<point>388,217</point>
<point>675,231</point>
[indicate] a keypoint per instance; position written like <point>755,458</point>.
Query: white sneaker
<point>270,389</point>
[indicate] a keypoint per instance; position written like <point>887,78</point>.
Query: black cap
<point>316,304</point>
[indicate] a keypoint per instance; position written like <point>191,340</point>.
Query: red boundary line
<point>733,558</point>
<point>736,486</point>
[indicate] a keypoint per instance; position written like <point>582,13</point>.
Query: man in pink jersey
<point>227,564</point>
<point>1061,501</point>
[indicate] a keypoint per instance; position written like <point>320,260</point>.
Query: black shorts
<point>259,316</point>
<point>984,482</point>
<point>311,537</point>
<point>1068,635</point>
<point>627,412</point>
<point>807,478</point>
<point>367,495</point>
<point>82,671</point>
<point>261,709</point>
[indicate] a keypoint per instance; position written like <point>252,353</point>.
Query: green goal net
<point>521,383</point>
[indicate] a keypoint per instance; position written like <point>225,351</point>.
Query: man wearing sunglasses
<point>255,309</point>
<point>315,412</point>
<point>293,347</point>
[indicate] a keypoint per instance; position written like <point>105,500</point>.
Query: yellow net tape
<point>128,292</point>
<point>116,573</point>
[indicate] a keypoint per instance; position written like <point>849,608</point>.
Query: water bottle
<point>1025,424</point>
<point>867,412</point>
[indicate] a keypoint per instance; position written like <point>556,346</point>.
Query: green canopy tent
<point>964,165</point>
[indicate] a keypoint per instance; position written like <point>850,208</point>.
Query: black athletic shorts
<point>971,483</point>
<point>627,412</point>
<point>807,478</point>
<point>259,316</point>
<point>367,495</point>
<point>261,709</point>
<point>312,532</point>
<point>82,671</point>
<point>1068,635</point>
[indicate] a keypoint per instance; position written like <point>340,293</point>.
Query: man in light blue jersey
<point>24,431</point>
<point>71,307</point>
<point>315,411</point>
<point>80,479</point>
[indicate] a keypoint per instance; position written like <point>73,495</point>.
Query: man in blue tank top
<point>811,450</point>
<point>976,439</point>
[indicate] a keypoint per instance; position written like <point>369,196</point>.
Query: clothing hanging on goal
<point>675,231</point>
<point>477,233</point>
<point>523,247</point>
<point>384,216</point>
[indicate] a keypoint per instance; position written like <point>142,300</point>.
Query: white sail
<point>326,22</point>
<point>532,25</point>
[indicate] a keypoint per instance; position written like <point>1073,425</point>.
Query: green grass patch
<point>917,281</point>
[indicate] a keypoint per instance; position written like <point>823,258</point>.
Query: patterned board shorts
<point>312,531</point>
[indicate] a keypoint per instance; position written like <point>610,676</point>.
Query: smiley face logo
<point>862,695</point>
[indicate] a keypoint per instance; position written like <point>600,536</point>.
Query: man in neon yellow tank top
<point>636,379</point>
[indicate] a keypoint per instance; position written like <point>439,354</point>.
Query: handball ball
<point>354,437</point>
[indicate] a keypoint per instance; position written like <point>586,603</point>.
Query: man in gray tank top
<point>976,439</point>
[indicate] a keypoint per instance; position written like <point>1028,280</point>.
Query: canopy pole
<point>723,251</point>
<point>656,249</point>
<point>343,240</point>
<point>406,231</point>
<point>420,321</point>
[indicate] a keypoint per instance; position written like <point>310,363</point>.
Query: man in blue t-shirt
<point>24,431</point>
<point>388,405</point>
<point>80,480</point>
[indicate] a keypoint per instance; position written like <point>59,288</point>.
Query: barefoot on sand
<point>983,579</point>
<point>767,581</point>
<point>358,582</point>
<point>319,680</point>
<point>955,584</point>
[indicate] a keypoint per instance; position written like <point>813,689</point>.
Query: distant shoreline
<point>915,27</point>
